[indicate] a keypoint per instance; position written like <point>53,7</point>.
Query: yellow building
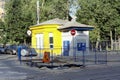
<point>52,36</point>
<point>46,36</point>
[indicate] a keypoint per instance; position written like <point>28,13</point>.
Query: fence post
<point>95,57</point>
<point>30,57</point>
<point>40,54</point>
<point>61,51</point>
<point>83,57</point>
<point>52,57</point>
<point>75,59</point>
<point>19,54</point>
<point>106,56</point>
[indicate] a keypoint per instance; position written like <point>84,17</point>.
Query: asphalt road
<point>11,69</point>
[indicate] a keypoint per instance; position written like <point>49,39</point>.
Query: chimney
<point>73,18</point>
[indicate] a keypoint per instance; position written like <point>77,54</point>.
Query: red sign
<point>73,32</point>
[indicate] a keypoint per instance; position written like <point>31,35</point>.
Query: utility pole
<point>38,10</point>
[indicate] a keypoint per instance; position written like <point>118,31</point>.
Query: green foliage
<point>2,36</point>
<point>20,14</point>
<point>53,9</point>
<point>104,15</point>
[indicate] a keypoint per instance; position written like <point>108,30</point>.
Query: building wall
<point>45,30</point>
<point>40,40</point>
<point>80,37</point>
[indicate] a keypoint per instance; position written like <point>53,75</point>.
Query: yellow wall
<point>45,30</point>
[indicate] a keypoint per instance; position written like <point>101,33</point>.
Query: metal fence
<point>63,56</point>
<point>105,45</point>
<point>87,57</point>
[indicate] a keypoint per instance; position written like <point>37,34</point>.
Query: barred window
<point>51,40</point>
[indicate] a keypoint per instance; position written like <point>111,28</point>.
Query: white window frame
<point>39,41</point>
<point>51,44</point>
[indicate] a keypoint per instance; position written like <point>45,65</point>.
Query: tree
<point>12,19</point>
<point>20,14</point>
<point>2,36</point>
<point>103,14</point>
<point>54,9</point>
<point>29,17</point>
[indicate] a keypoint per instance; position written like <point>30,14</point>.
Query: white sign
<point>29,32</point>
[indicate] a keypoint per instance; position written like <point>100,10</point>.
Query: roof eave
<point>76,28</point>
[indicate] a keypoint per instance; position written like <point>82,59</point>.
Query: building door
<point>39,41</point>
<point>66,48</point>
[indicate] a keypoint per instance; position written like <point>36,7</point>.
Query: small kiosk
<point>75,38</point>
<point>61,36</point>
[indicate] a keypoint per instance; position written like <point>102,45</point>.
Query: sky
<point>73,7</point>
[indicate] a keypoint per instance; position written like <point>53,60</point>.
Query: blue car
<point>2,50</point>
<point>11,49</point>
<point>27,51</point>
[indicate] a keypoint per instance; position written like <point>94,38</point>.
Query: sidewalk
<point>68,62</point>
<point>60,64</point>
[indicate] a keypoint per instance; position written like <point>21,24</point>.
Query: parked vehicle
<point>11,49</point>
<point>2,50</point>
<point>28,52</point>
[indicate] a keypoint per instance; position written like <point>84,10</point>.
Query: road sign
<point>29,32</point>
<point>73,32</point>
<point>81,46</point>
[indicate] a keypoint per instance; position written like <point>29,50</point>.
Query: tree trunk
<point>119,42</point>
<point>98,40</point>
<point>111,40</point>
<point>25,41</point>
<point>43,3</point>
<point>67,12</point>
